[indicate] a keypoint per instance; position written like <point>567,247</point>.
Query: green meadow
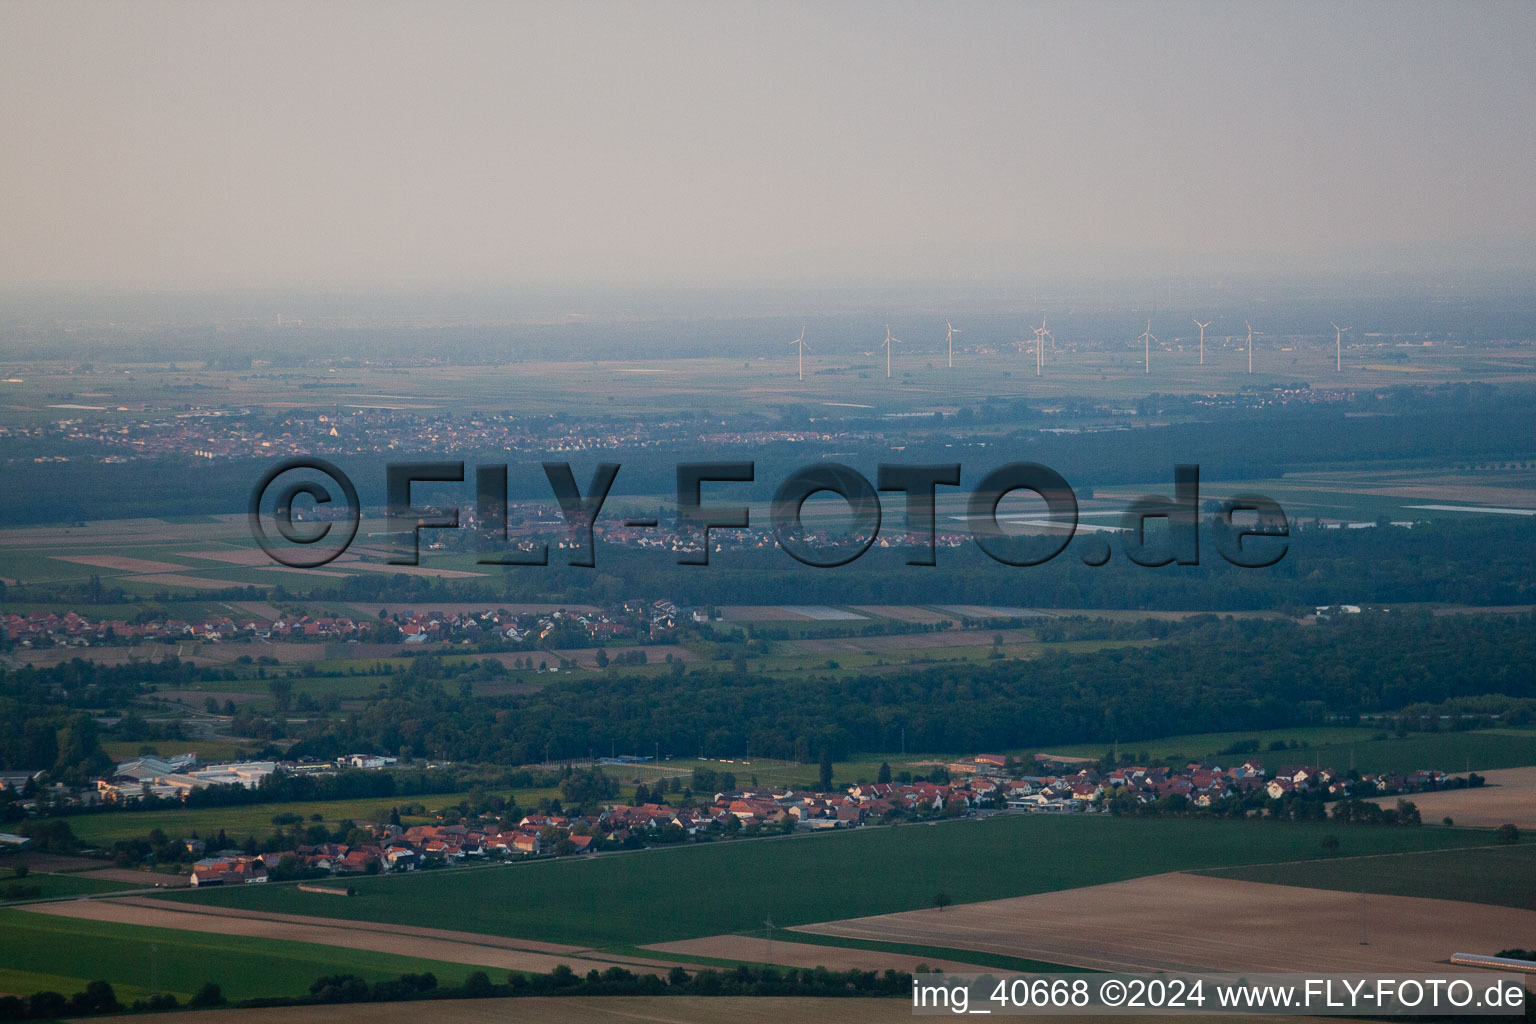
<point>50,886</point>
<point>707,889</point>
<point>40,952</point>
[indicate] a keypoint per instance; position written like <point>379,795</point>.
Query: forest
<point>1208,675</point>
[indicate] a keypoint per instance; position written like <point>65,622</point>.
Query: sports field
<point>699,890</point>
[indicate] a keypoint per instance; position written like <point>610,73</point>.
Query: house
<point>228,871</point>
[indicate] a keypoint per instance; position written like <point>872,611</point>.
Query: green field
<point>40,952</point>
<point>61,885</point>
<point>697,890</point>
<point>1502,875</point>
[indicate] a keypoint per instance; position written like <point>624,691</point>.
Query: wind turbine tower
<point>949,337</point>
<point>1147,338</point>
<point>1251,333</point>
<point>801,342</point>
<point>1040,333</point>
<point>1202,327</point>
<point>887,344</point>
<point>1338,346</point>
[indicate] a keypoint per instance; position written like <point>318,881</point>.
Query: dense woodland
<point>1208,675</point>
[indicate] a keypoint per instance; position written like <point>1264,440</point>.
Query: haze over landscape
<point>404,596</point>
<point>350,145</point>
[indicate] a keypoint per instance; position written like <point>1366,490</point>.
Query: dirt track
<point>1509,796</point>
<point>428,943</point>
<point>1190,922</point>
<point>800,954</point>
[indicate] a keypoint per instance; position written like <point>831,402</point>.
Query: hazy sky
<point>432,144</point>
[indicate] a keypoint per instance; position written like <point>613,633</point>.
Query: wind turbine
<point>1040,333</point>
<point>1338,346</point>
<point>1147,338</point>
<point>949,336</point>
<point>1202,327</point>
<point>1251,333</point>
<point>801,342</point>
<point>887,344</point>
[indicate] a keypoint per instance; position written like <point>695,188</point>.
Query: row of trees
<point>99,997</point>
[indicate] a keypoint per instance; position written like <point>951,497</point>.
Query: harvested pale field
<point>903,613</point>
<point>120,562</point>
<point>252,558</point>
<point>234,556</point>
<point>170,579</point>
<point>799,954</point>
<point>1509,796</point>
<point>976,611</point>
<point>47,657</point>
<point>143,879</point>
<point>1183,922</point>
<point>352,564</point>
<point>575,1010</point>
<point>587,656</point>
<point>428,943</point>
<point>915,641</point>
<point>116,533</point>
<point>306,572</point>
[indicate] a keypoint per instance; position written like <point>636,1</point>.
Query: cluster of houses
<point>50,629</point>
<point>985,781</point>
<point>1200,783</point>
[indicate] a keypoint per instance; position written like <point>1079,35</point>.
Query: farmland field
<point>1509,795</point>
<point>43,951</point>
<point>1502,875</point>
<point>61,885</point>
<point>701,890</point>
<point>1189,922</point>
